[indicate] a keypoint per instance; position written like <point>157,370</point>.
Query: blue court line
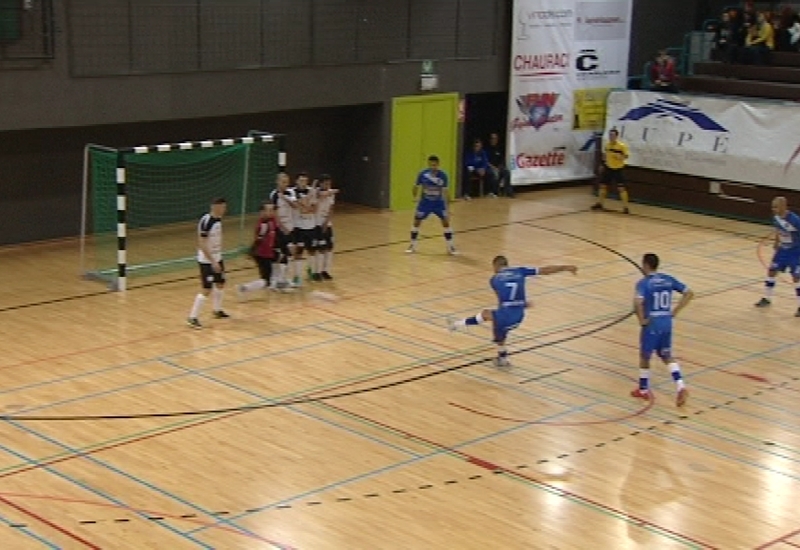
<point>172,378</point>
<point>116,470</point>
<point>571,410</point>
<point>692,428</point>
<point>293,408</point>
<point>139,362</point>
<point>85,486</point>
<point>360,477</point>
<point>28,532</point>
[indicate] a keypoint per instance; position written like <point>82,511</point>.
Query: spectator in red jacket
<point>662,73</point>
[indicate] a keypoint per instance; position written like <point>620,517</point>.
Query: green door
<point>422,126</point>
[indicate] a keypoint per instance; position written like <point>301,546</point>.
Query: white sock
<point>326,266</point>
<point>199,300</point>
<point>675,369</point>
<point>281,277</point>
<point>252,286</point>
<point>299,268</point>
<point>216,297</point>
<point>290,269</point>
<point>315,264</point>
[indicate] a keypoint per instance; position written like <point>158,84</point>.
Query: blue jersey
<point>655,292</point>
<point>509,286</point>
<point>476,161</point>
<point>434,185</point>
<point>788,229</point>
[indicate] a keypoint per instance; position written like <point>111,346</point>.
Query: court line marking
<point>44,521</point>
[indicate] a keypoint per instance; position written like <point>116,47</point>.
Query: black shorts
<point>305,238</point>
<point>264,267</point>
<point>612,175</point>
<point>282,243</point>
<point>325,238</point>
<point>208,277</point>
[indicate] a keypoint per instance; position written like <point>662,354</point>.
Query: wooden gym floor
<point>364,424</point>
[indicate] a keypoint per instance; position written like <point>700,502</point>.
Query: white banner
<point>715,138</point>
<point>566,56</point>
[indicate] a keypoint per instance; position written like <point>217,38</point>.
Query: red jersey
<point>265,238</point>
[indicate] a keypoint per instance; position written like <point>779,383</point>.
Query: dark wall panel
<point>433,29</point>
<point>230,34</point>
<point>165,36</point>
<point>100,35</point>
<point>382,30</point>
<point>287,33</point>
<point>42,200</point>
<point>335,23</point>
<point>477,27</point>
<point>659,24</point>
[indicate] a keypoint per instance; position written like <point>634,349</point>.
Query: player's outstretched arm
<point>553,269</point>
<point>687,297</point>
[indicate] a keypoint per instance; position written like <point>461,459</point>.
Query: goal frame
<point>121,282</point>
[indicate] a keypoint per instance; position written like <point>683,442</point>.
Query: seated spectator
<point>497,165</point>
<point>794,33</point>
<point>662,73</point>
<point>725,39</point>
<point>476,164</point>
<point>760,42</point>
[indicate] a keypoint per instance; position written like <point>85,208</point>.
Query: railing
<point>27,30</point>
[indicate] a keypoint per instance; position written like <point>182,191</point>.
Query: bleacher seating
<point>778,80</point>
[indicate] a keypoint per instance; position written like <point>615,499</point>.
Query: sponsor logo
<point>539,65</point>
<point>551,159</point>
<point>537,110</point>
<point>534,19</point>
<point>591,143</point>
<point>588,65</point>
<point>794,157</point>
<point>601,20</point>
<point>661,108</point>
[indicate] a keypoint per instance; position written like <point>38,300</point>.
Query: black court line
<point>106,292</point>
<point>453,481</point>
<point>350,393</point>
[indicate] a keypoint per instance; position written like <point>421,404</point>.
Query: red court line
<point>778,540</point>
<point>50,524</point>
<point>514,473</point>
<point>790,543</point>
<point>211,525</point>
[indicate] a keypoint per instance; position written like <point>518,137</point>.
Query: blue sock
<point>644,379</point>
<point>502,353</point>
<point>797,290</point>
<point>472,321</point>
<point>448,236</point>
<point>414,235</point>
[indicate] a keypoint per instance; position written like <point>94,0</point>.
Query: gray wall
<point>120,61</point>
<point>128,72</point>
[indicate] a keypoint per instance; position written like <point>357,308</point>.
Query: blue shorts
<point>786,259</point>
<point>655,340</point>
<point>505,320</point>
<point>427,207</point>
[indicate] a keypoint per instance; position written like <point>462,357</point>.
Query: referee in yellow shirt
<point>615,155</point>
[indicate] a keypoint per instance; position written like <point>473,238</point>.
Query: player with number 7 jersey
<point>653,307</point>
<point>508,284</point>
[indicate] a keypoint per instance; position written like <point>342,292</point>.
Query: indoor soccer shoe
<point>641,394</point>
<point>327,276</point>
<point>502,362</point>
<point>221,315</point>
<point>193,323</point>
<point>763,302</point>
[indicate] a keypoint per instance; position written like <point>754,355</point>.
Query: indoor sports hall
<point>344,413</point>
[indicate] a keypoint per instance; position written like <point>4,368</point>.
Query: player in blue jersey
<point>653,305</point>
<point>508,284</point>
<point>787,250</point>
<point>434,200</point>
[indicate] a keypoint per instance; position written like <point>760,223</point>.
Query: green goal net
<point>167,188</point>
